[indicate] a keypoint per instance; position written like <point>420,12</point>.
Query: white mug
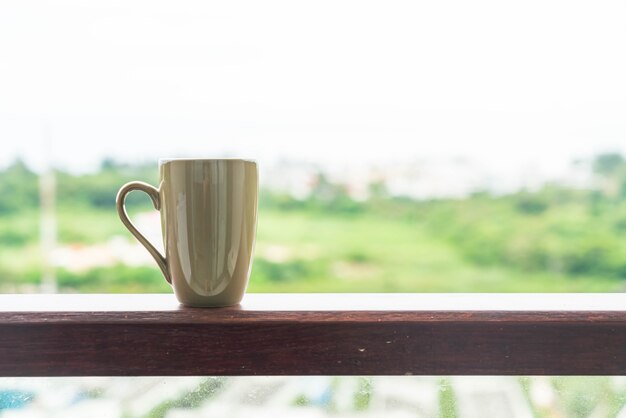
<point>208,219</point>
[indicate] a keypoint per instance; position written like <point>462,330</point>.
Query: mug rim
<point>163,161</point>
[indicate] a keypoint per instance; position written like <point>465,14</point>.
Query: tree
<point>18,188</point>
<point>609,164</point>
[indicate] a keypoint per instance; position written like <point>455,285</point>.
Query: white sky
<point>506,83</point>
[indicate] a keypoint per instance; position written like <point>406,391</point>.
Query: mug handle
<point>121,211</point>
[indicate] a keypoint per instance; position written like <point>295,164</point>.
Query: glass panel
<point>414,146</point>
<point>319,396</point>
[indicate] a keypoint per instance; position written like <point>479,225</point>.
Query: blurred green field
<point>299,251</point>
<point>372,254</point>
<point>554,239</point>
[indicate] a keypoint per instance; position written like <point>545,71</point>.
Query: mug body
<point>208,219</point>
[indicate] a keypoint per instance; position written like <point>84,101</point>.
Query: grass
<point>370,254</point>
<point>302,252</point>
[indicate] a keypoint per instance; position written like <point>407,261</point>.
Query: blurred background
<point>404,146</point>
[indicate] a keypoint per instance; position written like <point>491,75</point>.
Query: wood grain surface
<point>314,334</point>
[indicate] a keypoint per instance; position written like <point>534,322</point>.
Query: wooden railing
<point>314,334</point>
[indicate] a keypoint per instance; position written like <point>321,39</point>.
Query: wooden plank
<point>314,334</point>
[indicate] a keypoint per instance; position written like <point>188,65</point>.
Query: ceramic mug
<point>208,220</point>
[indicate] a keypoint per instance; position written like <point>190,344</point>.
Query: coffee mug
<point>208,220</point>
